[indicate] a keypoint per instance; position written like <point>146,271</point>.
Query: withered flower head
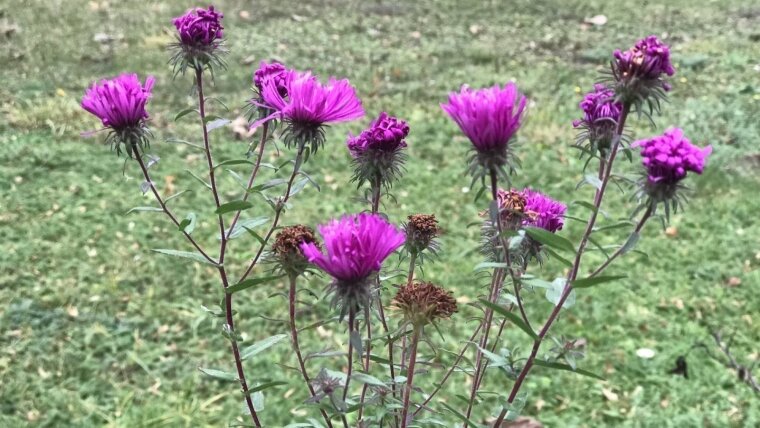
<point>421,230</point>
<point>424,302</point>
<point>286,249</point>
<point>512,207</point>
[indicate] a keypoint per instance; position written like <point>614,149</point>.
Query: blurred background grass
<point>98,331</point>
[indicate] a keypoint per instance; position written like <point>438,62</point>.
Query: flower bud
<point>199,39</point>
<point>377,151</point>
<point>601,113</point>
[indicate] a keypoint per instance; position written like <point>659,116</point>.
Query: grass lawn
<point>96,330</point>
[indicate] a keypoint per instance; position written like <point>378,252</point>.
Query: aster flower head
<point>424,303</point>
<point>640,71</point>
<point>543,212</point>
<point>601,112</point>
<point>286,250</point>
<point>199,39</point>
<point>355,247</point>
<point>420,231</point>
<point>119,103</point>
<point>309,105</point>
<point>489,117</point>
<point>667,159</point>
<point>377,151</point>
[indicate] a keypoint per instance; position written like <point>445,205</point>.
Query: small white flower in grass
<point>645,353</point>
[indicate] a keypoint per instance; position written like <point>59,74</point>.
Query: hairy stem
<point>351,325</point>
<point>410,376</point>
<point>222,248</point>
<point>251,179</point>
<point>576,264</point>
<point>146,175</point>
<point>296,348</point>
<point>278,212</point>
<point>449,371</point>
<point>619,251</point>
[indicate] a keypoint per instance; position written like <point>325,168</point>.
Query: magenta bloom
<point>543,211</point>
<point>648,59</point>
<point>599,108</point>
<point>275,72</point>
<point>489,117</point>
<point>119,103</point>
<point>199,27</point>
<point>668,157</point>
<point>385,134</point>
<point>356,247</point>
<point>310,102</point>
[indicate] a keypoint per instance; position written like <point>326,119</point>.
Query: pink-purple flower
<point>355,247</point>
<point>670,156</point>
<point>489,117</point>
<point>309,102</point>
<point>385,134</point>
<point>542,211</point>
<point>275,72</point>
<point>119,103</point>
<point>199,27</point>
<point>648,59</point>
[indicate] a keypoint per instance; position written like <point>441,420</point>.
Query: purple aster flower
<point>639,73</point>
<point>309,105</point>
<point>543,211</point>
<point>377,151</point>
<point>199,27</point>
<point>489,117</point>
<point>272,71</point>
<point>385,134</point>
<point>648,59</point>
<point>356,246</point>
<point>119,103</point>
<point>601,113</point>
<point>667,159</point>
<point>199,38</point>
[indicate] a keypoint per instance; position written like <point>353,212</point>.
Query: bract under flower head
<point>310,105</point>
<point>199,38</point>
<point>667,159</point>
<point>119,103</point>
<point>355,247</point>
<point>601,113</point>
<point>489,117</point>
<point>377,151</point>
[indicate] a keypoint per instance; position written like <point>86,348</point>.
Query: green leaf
<point>592,180</point>
<point>136,209</point>
<point>255,235</point>
<point>262,345</point>
<point>216,123</point>
<point>247,224</point>
<point>554,294</point>
<point>248,283</point>
<point>565,367</point>
<point>550,239</point>
<point>265,385</point>
<point>561,259</point>
<point>516,320</point>
<point>269,184</point>
<point>208,186</point>
<point>495,359</point>
<point>585,204</point>
<point>233,162</point>
<point>630,243</point>
<point>176,195</point>
<point>184,254</point>
<point>184,113</point>
<point>490,265</point>
<point>238,205</point>
<point>462,417</point>
<point>188,224</point>
<point>589,282</point>
<point>187,143</point>
<point>219,374</point>
<point>368,379</point>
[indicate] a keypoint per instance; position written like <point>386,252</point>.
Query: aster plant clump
<point>386,314</point>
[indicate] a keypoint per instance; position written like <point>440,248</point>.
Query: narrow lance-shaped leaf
<point>516,320</point>
<point>566,367</point>
<point>248,283</point>
<point>219,374</point>
<point>262,345</point>
<point>549,239</point>
<point>184,254</point>
<point>238,205</point>
<point>590,282</point>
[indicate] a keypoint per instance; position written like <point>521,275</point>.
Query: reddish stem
<point>410,377</point>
